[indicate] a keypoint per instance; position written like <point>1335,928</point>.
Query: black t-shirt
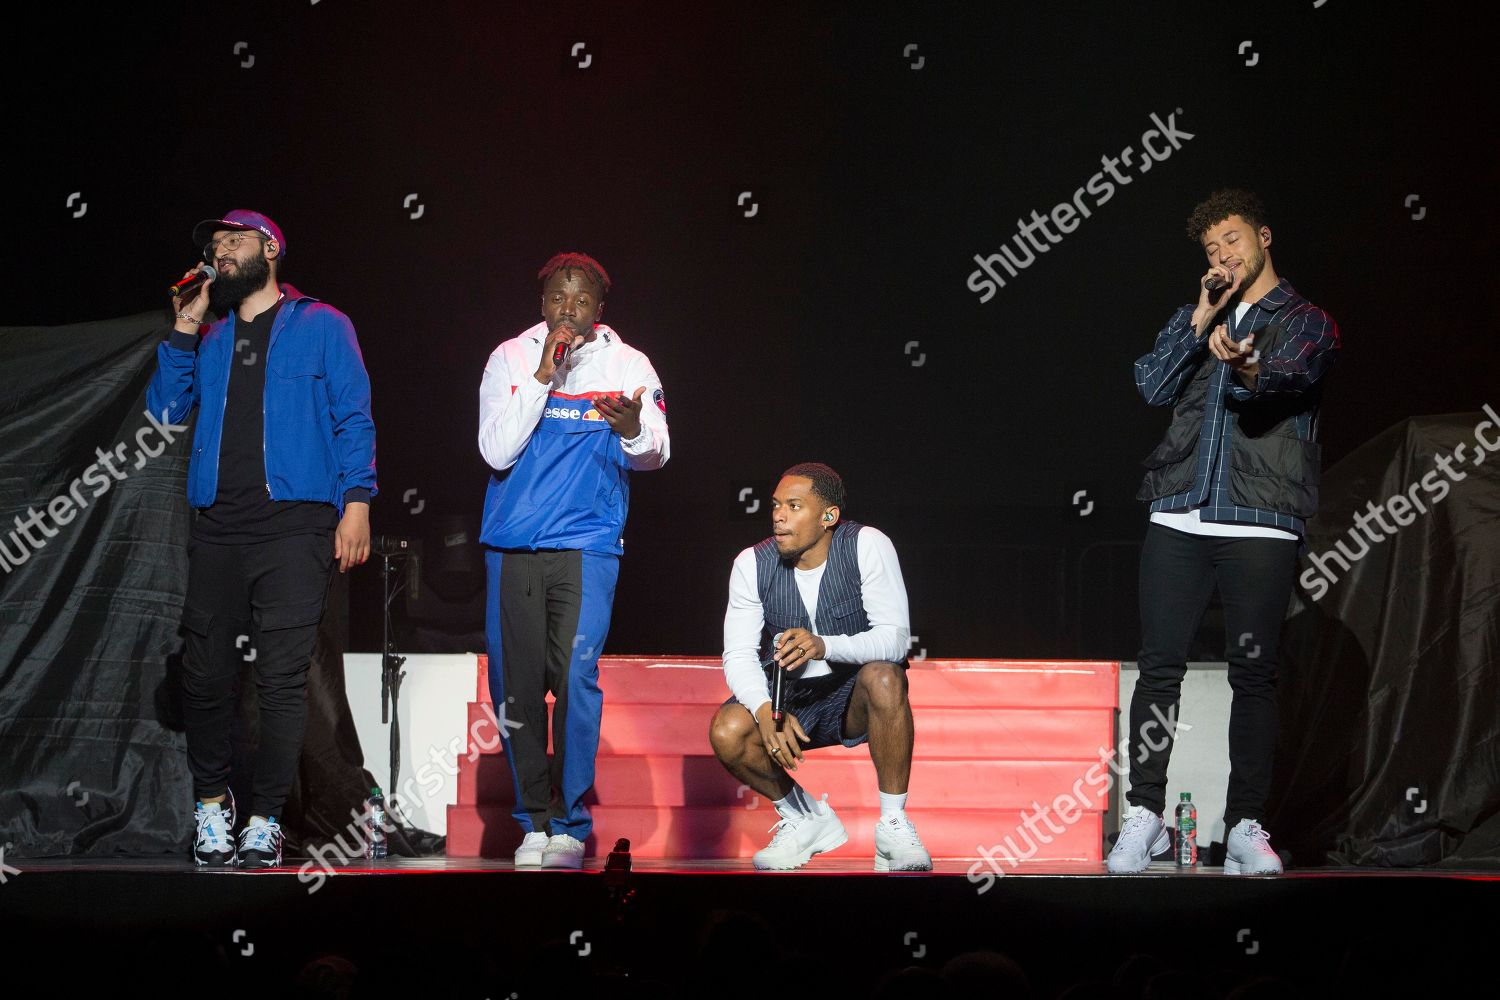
<point>243,510</point>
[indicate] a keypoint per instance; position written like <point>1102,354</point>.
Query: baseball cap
<point>240,218</point>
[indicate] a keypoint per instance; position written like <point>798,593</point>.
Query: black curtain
<point>94,523</point>
<point>1389,753</point>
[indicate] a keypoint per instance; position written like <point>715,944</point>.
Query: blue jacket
<point>319,437</point>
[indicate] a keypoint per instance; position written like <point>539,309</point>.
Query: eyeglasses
<point>230,243</point>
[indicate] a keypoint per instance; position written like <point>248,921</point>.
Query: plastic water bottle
<point>375,841</point>
<point>1187,832</point>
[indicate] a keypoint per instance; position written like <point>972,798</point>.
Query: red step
<point>995,740</point>
<point>706,832</point>
<point>933,683</point>
<point>973,733</point>
<point>847,776</point>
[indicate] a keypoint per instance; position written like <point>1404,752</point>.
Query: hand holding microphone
<point>555,351</point>
<point>794,648</point>
<point>1216,288</point>
<point>189,289</point>
<point>780,731</point>
<point>799,647</point>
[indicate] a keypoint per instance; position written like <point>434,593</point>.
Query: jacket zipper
<point>266,388</point>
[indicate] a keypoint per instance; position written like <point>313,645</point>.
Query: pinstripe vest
<point>841,606</point>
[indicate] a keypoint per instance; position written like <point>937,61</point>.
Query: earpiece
<point>828,515</point>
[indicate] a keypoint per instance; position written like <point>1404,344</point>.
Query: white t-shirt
<point>1190,521</point>
<point>883,593</point>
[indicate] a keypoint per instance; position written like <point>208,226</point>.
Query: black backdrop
<point>877,171</point>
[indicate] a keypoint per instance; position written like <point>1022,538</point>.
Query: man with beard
<point>281,474</point>
<point>1230,488</point>
<point>821,600</point>
<point>566,412</point>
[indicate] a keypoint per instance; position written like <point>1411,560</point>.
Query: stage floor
<point>841,866</point>
<point>670,925</point>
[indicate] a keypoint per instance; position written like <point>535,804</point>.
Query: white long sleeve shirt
<point>883,593</point>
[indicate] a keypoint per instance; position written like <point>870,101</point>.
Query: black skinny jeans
<point>1178,574</point>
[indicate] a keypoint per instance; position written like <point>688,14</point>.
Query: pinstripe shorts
<point>819,705</point>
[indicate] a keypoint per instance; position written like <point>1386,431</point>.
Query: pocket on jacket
<point>1168,454</point>
<point>303,364</point>
<point>1275,473</point>
<point>1168,472</point>
<point>841,610</point>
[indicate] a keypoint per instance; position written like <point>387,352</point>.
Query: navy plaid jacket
<point>1294,365</point>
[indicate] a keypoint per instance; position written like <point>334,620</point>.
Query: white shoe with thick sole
<point>1142,836</point>
<point>897,846</point>
<point>1247,851</point>
<point>529,854</point>
<point>801,835</point>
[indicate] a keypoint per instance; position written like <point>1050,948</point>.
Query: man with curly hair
<point>1230,488</point>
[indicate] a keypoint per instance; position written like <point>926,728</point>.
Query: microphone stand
<point>391,673</point>
<point>421,842</point>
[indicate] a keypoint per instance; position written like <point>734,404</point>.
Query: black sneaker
<point>213,842</point>
<point>260,844</point>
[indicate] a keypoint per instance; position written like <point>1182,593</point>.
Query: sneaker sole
<point>566,865</point>
<point>830,841</point>
<point>1162,845</point>
<point>1232,867</point>
<point>529,862</point>
<point>883,864</point>
<point>219,861</point>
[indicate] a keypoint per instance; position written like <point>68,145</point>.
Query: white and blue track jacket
<point>560,473</point>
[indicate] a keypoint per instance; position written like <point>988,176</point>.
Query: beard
<point>792,551</point>
<point>1253,267</point>
<point>229,290</point>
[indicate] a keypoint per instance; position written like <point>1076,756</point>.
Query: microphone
<point>778,683</point>
<point>563,347</point>
<point>1214,282</point>
<point>202,276</point>
<point>778,691</point>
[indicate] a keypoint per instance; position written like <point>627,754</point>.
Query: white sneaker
<point>563,851</point>
<point>1247,851</point>
<point>800,836</point>
<point>897,846</point>
<point>260,844</point>
<point>213,841</point>
<point>1142,836</point>
<point>529,854</point>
